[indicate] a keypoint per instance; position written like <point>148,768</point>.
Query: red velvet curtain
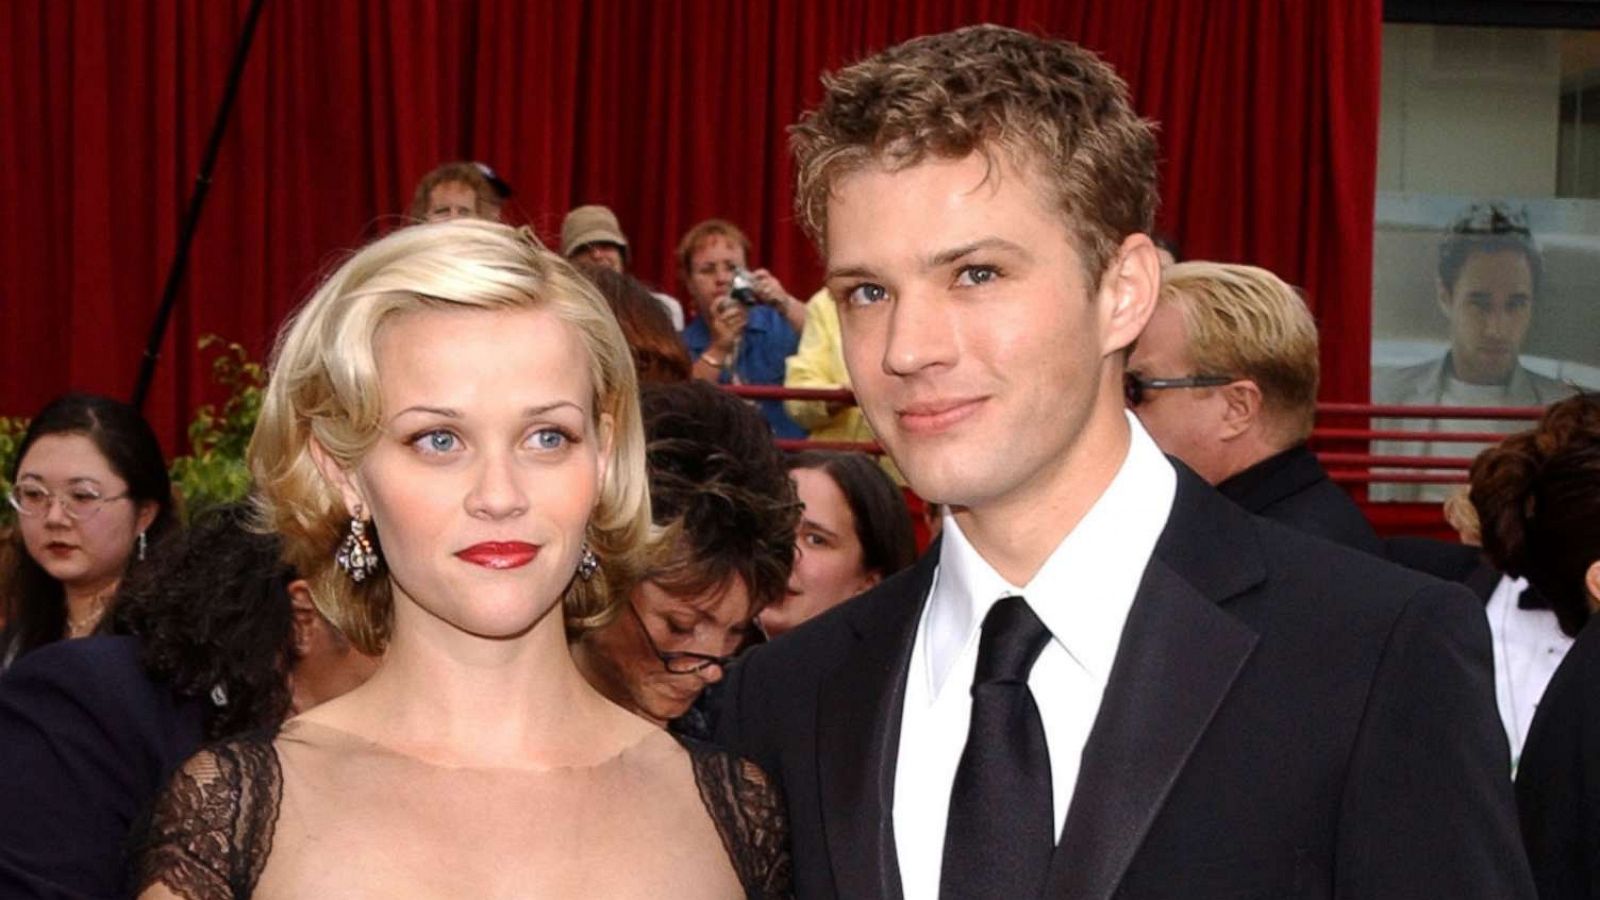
<point>669,112</point>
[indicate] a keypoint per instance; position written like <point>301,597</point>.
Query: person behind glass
<point>449,445</point>
<point>742,336</point>
<point>457,190</point>
<point>720,495</point>
<point>1538,500</point>
<point>855,531</point>
<point>214,637</point>
<point>1224,377</point>
<point>91,492</point>
<point>658,353</point>
<point>1490,278</point>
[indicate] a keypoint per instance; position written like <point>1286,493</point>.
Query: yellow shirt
<point>819,363</point>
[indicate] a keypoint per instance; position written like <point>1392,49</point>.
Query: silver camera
<point>744,287</point>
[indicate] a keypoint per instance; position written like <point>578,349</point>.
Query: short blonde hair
<point>324,388</point>
<point>1246,322</point>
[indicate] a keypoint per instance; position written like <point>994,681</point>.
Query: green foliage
<point>11,431</point>
<point>214,471</point>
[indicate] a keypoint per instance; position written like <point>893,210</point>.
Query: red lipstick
<point>499,554</point>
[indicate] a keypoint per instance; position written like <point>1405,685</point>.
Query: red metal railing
<point>1345,465</point>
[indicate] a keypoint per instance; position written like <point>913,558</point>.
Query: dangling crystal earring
<point>588,563</point>
<point>356,555</point>
<point>141,546</point>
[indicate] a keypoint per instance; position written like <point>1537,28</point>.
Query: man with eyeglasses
<point>1224,377</point>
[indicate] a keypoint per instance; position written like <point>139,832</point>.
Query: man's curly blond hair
<point>1051,107</point>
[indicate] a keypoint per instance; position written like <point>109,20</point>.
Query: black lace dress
<point>211,832</point>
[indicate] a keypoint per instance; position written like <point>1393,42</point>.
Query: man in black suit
<point>1105,679</point>
<point>1225,378</point>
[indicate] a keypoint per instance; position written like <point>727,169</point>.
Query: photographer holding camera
<point>747,325</point>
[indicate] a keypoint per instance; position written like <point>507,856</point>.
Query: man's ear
<point>1128,290</point>
<point>304,616</point>
<point>1591,583</point>
<point>1241,409</point>
<point>343,480</point>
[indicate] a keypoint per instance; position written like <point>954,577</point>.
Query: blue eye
<point>865,294</point>
<point>436,442</point>
<point>970,276</point>
<point>549,439</point>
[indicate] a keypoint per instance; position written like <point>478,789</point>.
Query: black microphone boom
<point>191,216</point>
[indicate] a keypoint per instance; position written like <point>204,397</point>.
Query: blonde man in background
<point>1225,378</point>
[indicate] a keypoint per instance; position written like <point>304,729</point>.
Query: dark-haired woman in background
<point>1538,500</point>
<point>214,637</point>
<point>658,353</point>
<point>91,492</point>
<point>855,531</point>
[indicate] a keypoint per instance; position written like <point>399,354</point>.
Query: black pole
<point>191,216</point>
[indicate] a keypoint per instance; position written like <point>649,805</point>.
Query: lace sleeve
<point>748,811</point>
<point>210,831</point>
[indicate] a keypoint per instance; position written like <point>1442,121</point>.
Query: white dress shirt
<point>1528,646</point>
<point>1082,593</point>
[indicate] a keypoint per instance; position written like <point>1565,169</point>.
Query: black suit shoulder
<point>777,680</point>
<point>1293,488</point>
<point>1558,775</point>
<point>87,739</point>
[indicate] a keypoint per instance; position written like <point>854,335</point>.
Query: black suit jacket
<point>1285,718</point>
<point>1293,488</point>
<point>87,740</point>
<point>1558,777</point>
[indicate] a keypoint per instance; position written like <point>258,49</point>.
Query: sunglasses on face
<point>1136,388</point>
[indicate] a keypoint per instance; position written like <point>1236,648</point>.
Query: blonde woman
<point>450,446</point>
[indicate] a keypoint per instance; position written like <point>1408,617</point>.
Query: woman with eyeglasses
<point>726,510</point>
<point>91,494</point>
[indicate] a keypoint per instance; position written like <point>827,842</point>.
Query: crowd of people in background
<point>508,536</point>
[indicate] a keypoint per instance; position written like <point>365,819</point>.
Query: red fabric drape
<point>668,112</point>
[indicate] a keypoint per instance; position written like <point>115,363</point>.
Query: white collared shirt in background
<point>1528,646</point>
<point>1082,593</point>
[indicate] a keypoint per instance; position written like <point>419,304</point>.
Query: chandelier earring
<point>142,543</point>
<point>356,555</point>
<point>588,562</point>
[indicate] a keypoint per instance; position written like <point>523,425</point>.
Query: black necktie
<point>1001,831</point>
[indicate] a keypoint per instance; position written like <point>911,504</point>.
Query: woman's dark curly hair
<point>719,488</point>
<point>214,620</point>
<point>1538,499</point>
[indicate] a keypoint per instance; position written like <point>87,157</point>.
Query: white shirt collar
<point>1086,586</point>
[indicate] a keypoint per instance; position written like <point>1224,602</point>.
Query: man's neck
<point>1481,379</point>
<point>1016,534</point>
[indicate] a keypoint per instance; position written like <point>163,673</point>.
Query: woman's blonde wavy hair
<point>324,388</point>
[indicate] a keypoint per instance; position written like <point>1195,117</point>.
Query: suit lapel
<point>1179,655</point>
<point>858,734</point>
